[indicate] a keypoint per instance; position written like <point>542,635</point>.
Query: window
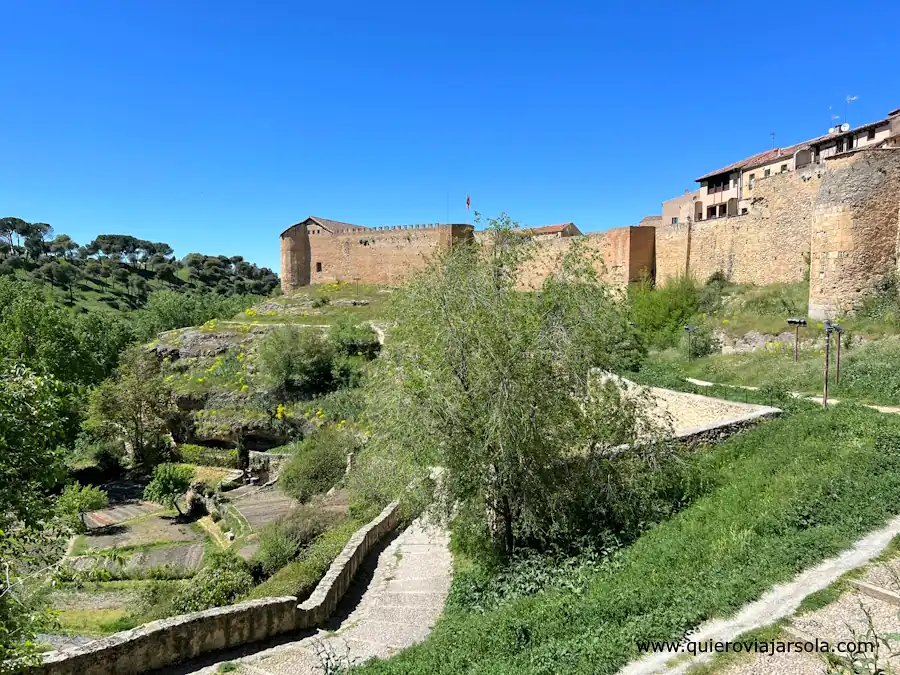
<point>723,210</point>
<point>744,211</point>
<point>767,173</point>
<point>752,180</point>
<point>871,135</point>
<point>318,267</point>
<point>711,212</point>
<point>850,142</point>
<point>783,168</point>
<point>675,220</point>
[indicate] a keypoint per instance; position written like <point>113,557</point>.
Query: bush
<point>224,578</point>
<point>321,301</point>
<point>302,575</point>
<point>348,338</point>
<point>296,360</point>
<point>281,541</point>
<point>701,342</point>
<point>319,464</point>
<point>660,313</point>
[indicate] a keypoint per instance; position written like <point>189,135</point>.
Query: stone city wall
<point>623,255</point>
<point>168,642</point>
<point>768,244</point>
<point>854,229</point>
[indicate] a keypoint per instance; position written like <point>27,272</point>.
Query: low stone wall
<point>168,642</point>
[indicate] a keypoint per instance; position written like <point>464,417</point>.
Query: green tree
<point>296,360</point>
<point>35,417</point>
<point>170,481</point>
<point>136,403</point>
<point>496,385</point>
<point>77,499</point>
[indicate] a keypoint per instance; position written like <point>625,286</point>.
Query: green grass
<point>301,576</point>
<point>776,500</point>
<point>870,373</point>
<point>95,622</point>
<point>720,661</point>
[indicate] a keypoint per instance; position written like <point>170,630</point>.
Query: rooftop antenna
<point>850,100</point>
<point>772,134</point>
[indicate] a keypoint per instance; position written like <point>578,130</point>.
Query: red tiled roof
<point>333,226</point>
<point>775,154</point>
<point>550,229</point>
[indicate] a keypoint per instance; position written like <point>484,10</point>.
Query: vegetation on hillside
<point>767,504</point>
<point>117,271</point>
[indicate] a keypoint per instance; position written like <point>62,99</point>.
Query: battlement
<point>382,229</point>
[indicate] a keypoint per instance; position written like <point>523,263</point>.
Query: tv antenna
<point>850,100</point>
<point>772,134</point>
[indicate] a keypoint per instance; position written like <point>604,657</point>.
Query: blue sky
<point>214,125</point>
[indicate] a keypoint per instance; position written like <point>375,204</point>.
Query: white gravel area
<point>777,664</point>
<point>846,619</point>
<point>690,412</point>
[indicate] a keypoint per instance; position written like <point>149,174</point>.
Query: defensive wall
<point>835,223</point>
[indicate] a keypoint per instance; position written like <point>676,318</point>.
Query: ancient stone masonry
<point>854,229</point>
<point>835,222</point>
<point>380,255</point>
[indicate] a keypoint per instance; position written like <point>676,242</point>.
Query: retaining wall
<point>168,642</point>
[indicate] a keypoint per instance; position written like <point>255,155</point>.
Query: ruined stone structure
<point>834,221</point>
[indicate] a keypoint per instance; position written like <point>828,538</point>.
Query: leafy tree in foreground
<point>34,412</point>
<point>77,499</point>
<point>170,481</point>
<point>136,403</point>
<point>496,385</point>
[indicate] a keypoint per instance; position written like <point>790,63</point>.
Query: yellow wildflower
<point>279,412</point>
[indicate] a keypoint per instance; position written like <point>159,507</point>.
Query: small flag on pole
<point>468,202</point>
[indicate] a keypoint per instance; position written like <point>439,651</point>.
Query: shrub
<point>224,578</point>
<point>170,481</point>
<point>76,500</point>
<point>701,342</point>
<point>660,313</point>
<point>319,464</point>
<point>281,541</point>
<point>348,338</point>
<point>321,301</point>
<point>296,360</point>
<point>301,576</point>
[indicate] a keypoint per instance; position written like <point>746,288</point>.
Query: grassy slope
<point>778,499</point>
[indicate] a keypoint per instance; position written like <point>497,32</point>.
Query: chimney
<point>894,113</point>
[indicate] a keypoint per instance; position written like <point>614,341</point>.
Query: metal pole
<point>837,365</point>
<point>690,351</point>
<point>796,342</point>
<point>827,359</point>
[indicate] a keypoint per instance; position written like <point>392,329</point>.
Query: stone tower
<point>295,258</point>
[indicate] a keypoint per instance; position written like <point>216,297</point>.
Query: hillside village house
<point>729,191</point>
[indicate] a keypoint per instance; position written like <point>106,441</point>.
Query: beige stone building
<point>730,190</point>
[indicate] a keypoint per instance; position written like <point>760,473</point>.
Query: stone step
<point>877,592</point>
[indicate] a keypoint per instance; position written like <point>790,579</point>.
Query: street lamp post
<point>690,332</point>
<point>837,365</point>
<point>796,323</point>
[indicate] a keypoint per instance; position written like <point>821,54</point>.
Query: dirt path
<point>780,602</point>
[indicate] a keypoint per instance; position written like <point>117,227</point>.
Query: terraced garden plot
<point>185,556</point>
<point>119,514</point>
<point>264,506</point>
<point>141,531</point>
